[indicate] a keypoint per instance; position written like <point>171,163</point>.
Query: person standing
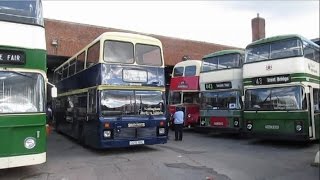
<point>178,123</point>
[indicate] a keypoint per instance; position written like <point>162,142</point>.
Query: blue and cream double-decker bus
<point>112,92</point>
<point>22,84</point>
<point>221,90</point>
<point>281,84</point>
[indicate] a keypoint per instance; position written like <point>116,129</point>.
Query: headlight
<point>298,127</point>
<point>107,134</point>
<point>189,115</point>
<point>162,131</point>
<point>236,123</point>
<point>29,142</point>
<point>249,126</point>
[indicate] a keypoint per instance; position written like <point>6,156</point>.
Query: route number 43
<point>259,81</point>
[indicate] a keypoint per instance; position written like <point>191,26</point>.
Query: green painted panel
<point>14,129</point>
<point>35,58</point>
<point>276,122</point>
<point>296,77</point>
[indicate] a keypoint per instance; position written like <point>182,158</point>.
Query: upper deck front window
<point>118,52</point>
<point>274,50</point>
<point>148,55</point>
<point>227,61</point>
<point>28,12</point>
<point>178,71</point>
<point>190,71</point>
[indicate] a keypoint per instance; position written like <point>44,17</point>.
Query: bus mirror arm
<point>54,91</point>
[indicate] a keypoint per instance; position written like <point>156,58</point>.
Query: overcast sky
<point>221,22</point>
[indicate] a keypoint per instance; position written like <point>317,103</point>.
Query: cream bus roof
<point>136,38</point>
<point>118,36</point>
<point>189,63</point>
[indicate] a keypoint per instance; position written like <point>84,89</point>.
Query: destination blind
<point>220,85</point>
<point>271,80</point>
<point>12,57</point>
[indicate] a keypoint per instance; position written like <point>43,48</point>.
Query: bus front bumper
<point>278,136</point>
<point>117,143</point>
<point>23,160</point>
<point>219,129</point>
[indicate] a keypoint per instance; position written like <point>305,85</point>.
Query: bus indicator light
<point>107,125</point>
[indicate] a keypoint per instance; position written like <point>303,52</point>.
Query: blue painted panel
<point>110,74</point>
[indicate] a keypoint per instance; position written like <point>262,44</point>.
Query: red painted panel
<point>219,121</point>
<point>185,83</point>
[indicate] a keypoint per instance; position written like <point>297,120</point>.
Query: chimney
<point>258,28</point>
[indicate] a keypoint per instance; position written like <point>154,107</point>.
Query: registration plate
<point>132,143</point>
<point>136,125</point>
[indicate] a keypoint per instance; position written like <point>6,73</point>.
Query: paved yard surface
<point>198,156</point>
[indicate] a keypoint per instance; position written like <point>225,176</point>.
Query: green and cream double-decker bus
<point>281,83</point>
<point>22,84</point>
<point>221,90</point>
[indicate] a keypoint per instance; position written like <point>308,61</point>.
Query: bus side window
<point>65,71</point>
<point>93,54</point>
<point>80,62</point>
<point>309,52</point>
<point>72,67</point>
<point>316,100</point>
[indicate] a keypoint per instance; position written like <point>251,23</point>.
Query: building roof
<point>72,37</point>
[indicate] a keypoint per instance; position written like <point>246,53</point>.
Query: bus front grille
<point>127,133</point>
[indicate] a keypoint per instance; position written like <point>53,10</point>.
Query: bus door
<point>311,114</point>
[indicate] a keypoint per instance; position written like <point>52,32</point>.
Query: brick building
<point>64,39</point>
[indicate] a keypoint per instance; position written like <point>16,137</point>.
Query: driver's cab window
<point>92,108</point>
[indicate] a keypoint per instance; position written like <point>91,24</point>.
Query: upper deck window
<point>93,54</point>
<point>28,12</point>
<point>227,61</point>
<point>178,71</point>
<point>80,61</point>
<point>274,50</point>
<point>148,55</point>
<point>190,71</point>
<point>118,52</point>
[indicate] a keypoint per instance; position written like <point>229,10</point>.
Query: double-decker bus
<point>281,83</point>
<point>184,91</point>
<point>22,84</point>
<point>221,90</point>
<point>112,92</point>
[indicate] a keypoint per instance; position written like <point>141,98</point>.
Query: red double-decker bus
<point>184,91</point>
